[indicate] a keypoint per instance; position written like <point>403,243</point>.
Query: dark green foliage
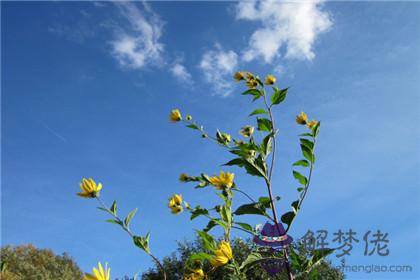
<point>26,262</point>
<point>174,264</point>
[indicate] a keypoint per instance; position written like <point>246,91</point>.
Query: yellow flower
<point>270,80</point>
<point>175,115</point>
<point>188,117</point>
<point>224,180</point>
<point>312,123</point>
<point>197,274</point>
<point>99,274</point>
<point>247,131</point>
<point>302,118</point>
<point>226,137</point>
<point>251,83</point>
<point>222,255</point>
<point>175,204</point>
<point>239,76</point>
<point>184,177</point>
<point>90,188</point>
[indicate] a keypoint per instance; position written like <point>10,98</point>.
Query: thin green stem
<point>131,234</point>
<point>269,180</point>
<point>245,194</point>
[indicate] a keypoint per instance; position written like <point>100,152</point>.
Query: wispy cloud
<point>136,44</point>
<point>217,66</point>
<point>292,25</point>
<point>180,72</point>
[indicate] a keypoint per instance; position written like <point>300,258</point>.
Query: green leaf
<point>251,209</point>
<point>302,179</point>
<point>113,208</point>
<point>252,259</point>
<point>306,134</point>
<point>198,212</point>
<point>104,209</point>
<point>245,226</point>
<point>278,96</point>
<point>235,161</point>
<point>288,218</point>
<point>129,217</point>
<point>225,214</point>
<point>315,129</point>
<point>200,256</point>
<point>253,92</point>
<point>264,124</point>
<point>211,224</point>
<point>307,153</point>
<point>301,162</point>
<point>142,242</point>
<point>266,144</point>
<point>114,222</point>
<point>208,240</point>
<point>309,144</point>
<point>193,126</point>
<point>295,205</point>
<point>258,112</point>
<point>265,201</point>
<point>300,189</point>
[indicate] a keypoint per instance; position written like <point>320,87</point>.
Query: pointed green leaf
<point>264,124</point>
<point>278,96</point>
<point>288,217</point>
<point>301,162</point>
<point>113,208</point>
<point>302,179</point>
<point>258,112</point>
<point>129,217</point>
<point>245,226</point>
<point>207,239</point>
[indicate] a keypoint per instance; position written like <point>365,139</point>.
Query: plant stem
<point>269,182</point>
<point>130,233</point>
<point>245,194</point>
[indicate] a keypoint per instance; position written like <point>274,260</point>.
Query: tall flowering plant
<point>257,156</point>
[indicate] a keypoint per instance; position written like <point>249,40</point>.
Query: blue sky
<point>87,87</point>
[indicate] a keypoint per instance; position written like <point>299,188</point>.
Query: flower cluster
<point>175,204</point>
<point>302,119</point>
<point>253,81</point>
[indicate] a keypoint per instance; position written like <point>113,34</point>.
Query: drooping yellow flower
<point>247,131</point>
<point>251,83</point>
<point>175,204</point>
<point>312,123</point>
<point>184,177</point>
<point>239,76</point>
<point>196,274</point>
<point>302,118</point>
<point>224,180</point>
<point>175,116</point>
<point>90,188</point>
<point>270,80</point>
<point>222,255</point>
<point>99,274</point>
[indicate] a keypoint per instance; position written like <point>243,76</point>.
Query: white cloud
<point>292,25</point>
<point>217,66</point>
<point>137,44</point>
<point>181,73</point>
